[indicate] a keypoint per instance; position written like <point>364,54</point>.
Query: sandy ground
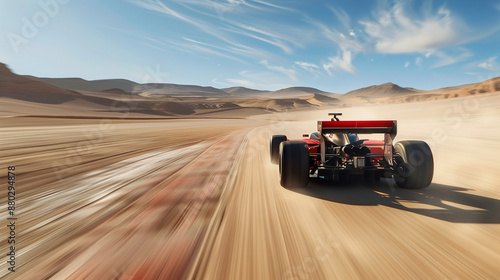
<point>448,231</point>
<point>200,199</point>
<point>99,198</point>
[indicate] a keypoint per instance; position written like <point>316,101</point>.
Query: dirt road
<point>184,199</point>
<point>449,230</point>
<point>364,231</point>
<point>101,200</point>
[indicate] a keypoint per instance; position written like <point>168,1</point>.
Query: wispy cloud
<point>327,68</point>
<point>249,52</point>
<point>249,31</point>
<point>273,5</point>
<point>222,9</point>
<point>446,59</point>
<point>158,6</point>
<point>232,4</point>
<point>418,61</point>
<point>292,74</point>
<point>210,49</point>
<point>170,45</point>
<point>225,9</point>
<point>489,64</point>
<point>351,42</point>
<point>293,35</point>
<point>267,39</point>
<point>306,65</point>
<point>395,31</point>
<point>228,29</point>
<point>342,17</point>
<point>340,62</point>
<point>194,47</point>
<point>310,67</point>
<point>347,45</point>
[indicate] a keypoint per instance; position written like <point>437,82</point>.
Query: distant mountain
<point>31,89</point>
<point>300,89</point>
<point>22,88</point>
<point>282,93</point>
<point>116,91</point>
<point>325,99</point>
<point>297,92</point>
<point>149,89</point>
<point>82,84</point>
<point>174,99</point>
<point>175,90</point>
<point>383,90</point>
<point>490,85</point>
<point>292,90</point>
<point>244,91</point>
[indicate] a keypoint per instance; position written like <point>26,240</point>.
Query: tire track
<point>155,235</point>
<point>264,231</point>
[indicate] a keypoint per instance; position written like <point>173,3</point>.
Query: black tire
<point>275,147</point>
<point>419,164</point>
<point>294,164</point>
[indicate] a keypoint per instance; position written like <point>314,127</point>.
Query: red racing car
<point>335,153</point>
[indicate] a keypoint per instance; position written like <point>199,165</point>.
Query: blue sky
<point>335,46</point>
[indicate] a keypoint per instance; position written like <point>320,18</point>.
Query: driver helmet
<point>315,136</point>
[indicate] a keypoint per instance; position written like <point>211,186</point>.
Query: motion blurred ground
<point>198,198</point>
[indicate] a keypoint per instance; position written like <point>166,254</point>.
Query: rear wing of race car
<point>357,127</point>
<point>389,128</point>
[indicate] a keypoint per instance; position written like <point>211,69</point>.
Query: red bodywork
<point>337,152</point>
<point>357,127</point>
<point>378,148</point>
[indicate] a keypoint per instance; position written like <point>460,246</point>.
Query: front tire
<point>418,162</point>
<point>294,164</point>
<point>275,147</point>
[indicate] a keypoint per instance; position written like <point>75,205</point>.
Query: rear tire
<point>294,164</point>
<point>275,147</point>
<point>419,164</point>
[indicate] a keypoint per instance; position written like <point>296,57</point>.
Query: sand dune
<point>116,91</point>
<point>381,90</point>
<point>488,86</point>
<point>281,104</point>
<point>324,99</point>
<point>390,93</point>
<point>309,101</point>
<point>245,91</point>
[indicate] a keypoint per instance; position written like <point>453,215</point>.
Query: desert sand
<point>175,182</point>
<point>449,230</point>
<point>199,198</point>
